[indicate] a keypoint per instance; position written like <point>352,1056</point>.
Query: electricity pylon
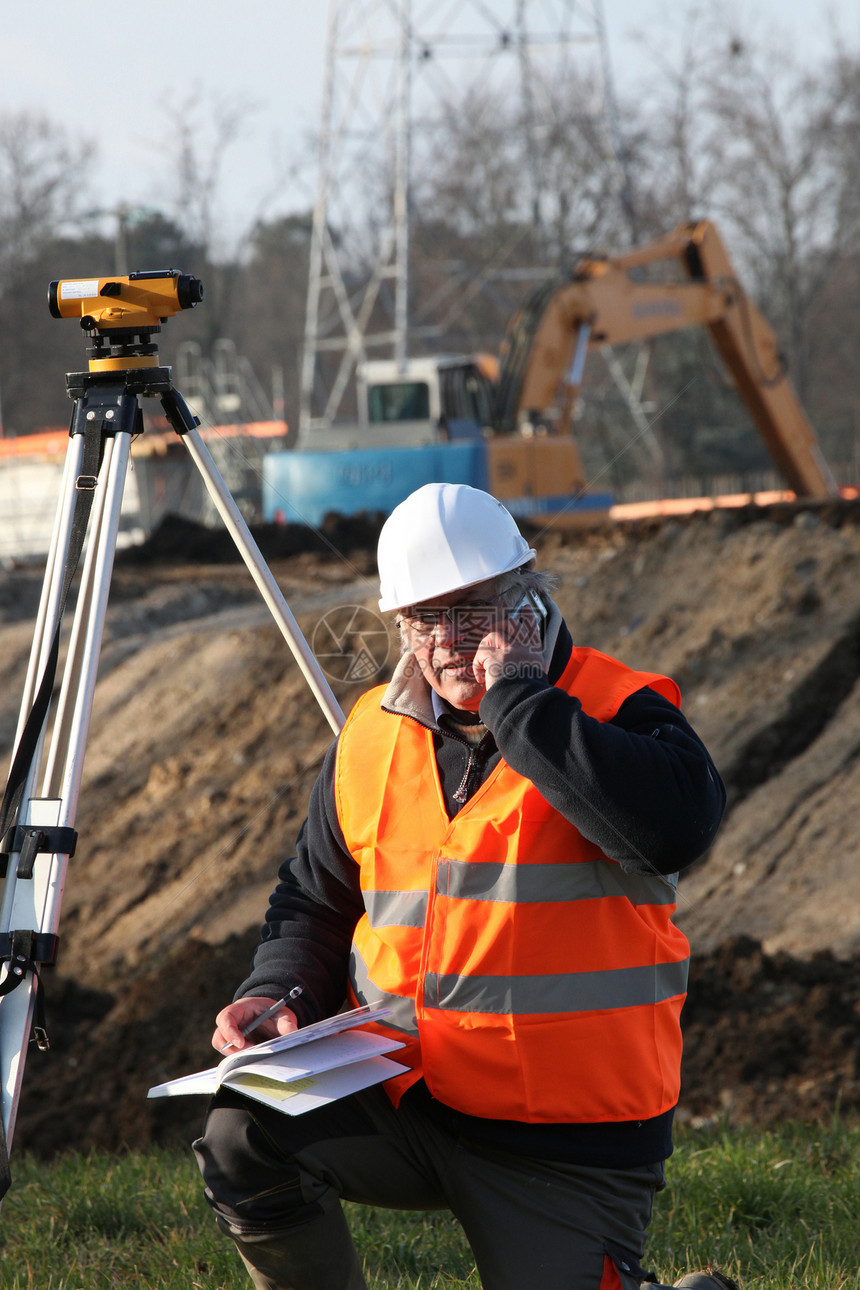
<point>389,63</point>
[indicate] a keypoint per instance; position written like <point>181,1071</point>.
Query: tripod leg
<point>52,584</point>
<point>185,425</point>
<point>32,899</point>
<point>17,1007</point>
<point>71,727</point>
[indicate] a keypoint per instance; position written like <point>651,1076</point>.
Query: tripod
<point>37,832</point>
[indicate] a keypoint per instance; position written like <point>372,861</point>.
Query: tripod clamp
<point>30,842</point>
<point>25,950</point>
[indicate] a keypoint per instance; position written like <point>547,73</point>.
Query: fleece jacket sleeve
<point>642,786</point>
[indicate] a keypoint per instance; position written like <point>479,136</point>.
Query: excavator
<point>506,425</point>
<point>609,301</point>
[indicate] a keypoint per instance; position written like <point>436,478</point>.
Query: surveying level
<point>123,314</point>
<point>141,299</point>
<point>39,805</point>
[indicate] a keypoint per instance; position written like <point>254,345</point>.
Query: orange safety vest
<point>531,978</point>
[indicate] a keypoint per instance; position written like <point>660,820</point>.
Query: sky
<point>122,73</point>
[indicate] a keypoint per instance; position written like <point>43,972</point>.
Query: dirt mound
<point>181,541</point>
<point>770,1037</point>
<point>206,739</point>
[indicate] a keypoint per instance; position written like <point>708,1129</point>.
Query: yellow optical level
<point>140,300</point>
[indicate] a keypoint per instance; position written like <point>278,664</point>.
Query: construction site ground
<point>206,739</point>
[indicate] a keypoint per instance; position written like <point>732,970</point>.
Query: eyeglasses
<point>472,617</point>
<point>467,618</point>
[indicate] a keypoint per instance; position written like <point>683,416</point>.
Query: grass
<point>778,1210</point>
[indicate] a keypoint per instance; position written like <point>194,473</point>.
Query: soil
<point>206,738</point>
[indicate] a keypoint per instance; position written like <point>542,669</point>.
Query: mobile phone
<point>531,600</point>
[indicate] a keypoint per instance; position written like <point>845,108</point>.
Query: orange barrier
<point>686,505</point>
<point>53,443</point>
<point>156,441</point>
<point>45,443</point>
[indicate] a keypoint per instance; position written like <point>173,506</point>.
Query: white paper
<point>296,1038</point>
<point>307,1068</point>
<point>286,1065</point>
<point>316,1090</point>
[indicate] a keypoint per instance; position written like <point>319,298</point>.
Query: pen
<point>264,1016</point>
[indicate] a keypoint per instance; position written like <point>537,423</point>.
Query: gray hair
<point>510,587</point>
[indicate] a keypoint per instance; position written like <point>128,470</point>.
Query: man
<point>491,850</point>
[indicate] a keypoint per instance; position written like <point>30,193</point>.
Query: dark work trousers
<point>276,1179</point>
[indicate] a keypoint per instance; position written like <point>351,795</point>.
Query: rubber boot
<point>318,1255</point>
<point>712,1279</point>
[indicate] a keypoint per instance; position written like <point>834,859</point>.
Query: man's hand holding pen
<point>266,1018</point>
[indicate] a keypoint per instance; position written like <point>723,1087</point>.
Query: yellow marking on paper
<point>274,1088</point>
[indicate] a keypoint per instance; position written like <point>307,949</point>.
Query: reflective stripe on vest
<point>543,982</point>
<point>364,990</point>
<point>574,992</point>
<point>475,881</point>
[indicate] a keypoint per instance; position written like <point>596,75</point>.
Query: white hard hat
<point>444,537</point>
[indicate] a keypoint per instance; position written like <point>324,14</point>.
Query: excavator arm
<point>611,301</point>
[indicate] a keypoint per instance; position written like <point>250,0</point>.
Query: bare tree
<point>678,149</point>
<point>779,191</point>
<point>745,135</point>
<point>202,131</point>
<point>205,129</point>
<point>42,182</point>
<point>743,131</point>
<point>483,160</point>
<point>834,325</point>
